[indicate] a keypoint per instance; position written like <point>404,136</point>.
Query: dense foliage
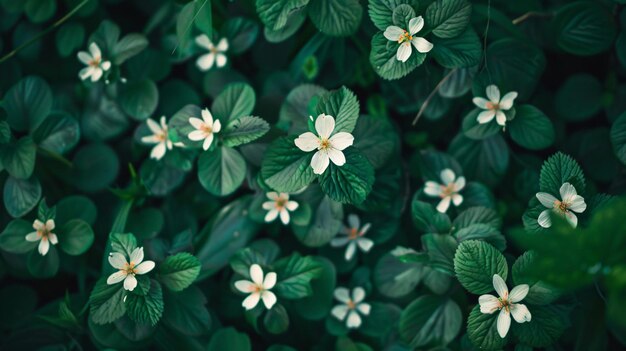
<point>313,174</point>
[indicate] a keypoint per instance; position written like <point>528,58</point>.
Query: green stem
<point>122,216</point>
<point>55,156</point>
<point>43,33</point>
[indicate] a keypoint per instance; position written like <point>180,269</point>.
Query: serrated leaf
<point>427,219</point>
<point>430,321</point>
<point>343,105</point>
<point>148,308</point>
<point>106,302</point>
<point>531,128</point>
<point>350,183</point>
<point>584,28</point>
<point>381,11</point>
<point>235,101</point>
<point>448,18</point>
<point>336,18</point>
<point>558,169</point>
<point>384,61</point>
<point>482,330</point>
<point>460,51</point>
<point>285,167</point>
<point>475,264</point>
<point>123,243</point>
<point>484,232</point>
<point>539,293</point>
<point>618,137</point>
<point>547,325</point>
<point>244,130</point>
<point>294,274</point>
<point>179,271</point>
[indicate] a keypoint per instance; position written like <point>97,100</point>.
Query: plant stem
<point>55,156</point>
<point>432,94</point>
<point>530,14</point>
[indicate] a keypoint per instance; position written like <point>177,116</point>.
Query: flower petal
<point>416,24</point>
<point>393,33</point>
<point>284,216</point>
<point>95,50</point>
<point>130,283</point>
<point>342,295</point>
<point>444,204</point>
<point>251,301</point>
<point>158,151</point>
<point>350,250</point>
<point>567,192</point>
<point>324,125</point>
<point>106,65</point>
<point>520,313</point>
<point>272,195</point>
<point>493,93</point>
<point>222,45</point>
<point>117,260</point>
<point>577,204</point>
<point>153,126</point>
<point>205,62</point>
<point>432,188</point>
<point>217,126</point>
<point>270,280</point>
<point>96,74</point>
<point>500,286</point>
<point>337,157</point>
<point>220,60</point>
<point>32,237</point>
<point>507,100</point>
<point>84,57</point>
<point>544,219</point>
<point>364,308</point>
<point>136,256</point>
<point>354,320</point>
<point>144,267</point>
<point>53,238</point>
<point>271,214</point>
<point>365,244</point>
<point>404,52</point>
<point>339,312</point>
<point>339,241</point>
<point>207,141</point>
<point>197,135</point>
<point>518,293</point>
<point>307,142</point>
<point>422,45</point>
<point>116,277</point>
<point>486,116</point>
<point>457,199</point>
<point>500,118</point>
<point>480,102</point>
<point>291,205</point>
<point>447,176</point>
<point>358,294</point>
<point>488,303</point>
<point>546,199</point>
<point>204,41</point>
<point>354,221</point>
<point>269,299</point>
<point>459,184</point>
<point>571,218</point>
<point>320,162</point>
<point>85,73</point>
<point>44,246</point>
<point>341,140</point>
<point>245,286</point>
<point>197,123</point>
<point>504,323</point>
<point>256,274</point>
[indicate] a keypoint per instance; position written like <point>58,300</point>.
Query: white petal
<point>350,250</point>
<point>38,225</point>
<point>544,219</point>
<point>393,33</point>
<point>50,224</point>
<point>459,184</point>
<point>269,299</point>
<point>32,237</point>
<point>221,60</point>
<point>44,246</point>
<point>95,50</point>
<point>291,205</point>
<point>324,125</point>
<point>207,142</point>
<point>106,65</point>
<point>205,62</point>
<point>222,45</point>
<point>337,157</point>
<point>284,216</point>
<point>251,301</point>
<point>404,52</point>
<point>130,283</point>
<point>486,116</point>
<point>197,123</point>
<point>117,260</point>
<point>422,45</point>
<point>365,228</point>
<point>144,267</point>
<point>96,74</point>
<point>480,102</point>
<point>432,188</point>
<point>518,293</point>
<point>365,244</point>
<point>500,118</point>
<point>268,205</point>
<point>270,280</point>
<point>520,313</point>
<point>204,41</point>
<point>416,24</point>
<point>567,192</point>
<point>354,320</point>
<point>320,162</point>
<point>217,126</point>
<point>504,323</point>
<point>364,308</point>
<point>307,142</point>
<point>153,126</point>
<point>136,256</point>
<point>570,217</point>
<point>342,295</point>
<point>85,73</point>
<point>507,100</point>
<point>354,221</point>
<point>150,139</point>
<point>272,195</point>
<point>500,286</point>
<point>577,204</point>
<point>488,303</point>
<point>447,176</point>
<point>245,286</point>
<point>340,312</point>
<point>84,57</point>
<point>493,94</point>
<point>457,199</point>
<point>53,238</point>
<point>207,118</point>
<point>256,274</point>
<point>116,277</point>
<point>197,135</point>
<point>444,204</point>
<point>271,215</point>
<point>158,151</point>
<point>339,241</point>
<point>341,140</point>
<point>358,294</point>
<point>546,199</point>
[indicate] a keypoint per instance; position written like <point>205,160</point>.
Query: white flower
<point>494,106</point>
<point>280,204</point>
<point>406,38</point>
<point>205,128</point>
<point>159,137</point>
<point>571,202</point>
<point>43,233</point>
<point>353,236</point>
<point>328,148</point>
<point>95,66</point>
<point>128,270</point>
<point>351,306</point>
<point>258,288</point>
<point>215,55</point>
<point>448,190</point>
<point>506,303</point>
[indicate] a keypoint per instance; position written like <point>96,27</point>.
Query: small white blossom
<point>329,148</point>
<point>258,288</point>
<point>159,138</point>
<point>128,270</point>
<point>95,65</point>
<point>571,201</point>
<point>353,236</point>
<point>351,306</point>
<point>43,233</point>
<point>406,38</point>
<point>279,205</point>
<point>448,190</point>
<point>506,303</point>
<point>206,128</point>
<point>495,106</point>
<point>216,53</point>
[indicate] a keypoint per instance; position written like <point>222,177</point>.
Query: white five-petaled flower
<point>506,303</point>
<point>128,270</point>
<point>95,65</point>
<point>351,306</point>
<point>159,137</point>
<point>43,233</point>
<point>571,201</point>
<point>205,128</point>
<point>329,148</point>
<point>279,205</point>
<point>258,288</point>
<point>494,106</point>
<point>215,55</point>
<point>406,38</point>
<point>448,190</point>
<point>353,236</point>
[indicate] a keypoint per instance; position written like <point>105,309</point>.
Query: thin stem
<point>55,156</point>
<point>432,94</point>
<point>530,14</point>
<point>44,32</point>
<point>190,24</point>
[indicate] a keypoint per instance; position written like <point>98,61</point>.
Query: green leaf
<point>381,321</point>
<point>179,271</point>
<point>276,320</point>
<point>402,15</point>
<point>184,23</point>
<point>39,11</point>
<point>43,266</point>
<point>58,133</point>
<point>95,167</point>
<point>381,11</point>
<point>123,243</point>
<point>579,98</point>
<point>69,38</point>
<point>546,327</point>
<point>618,137</point>
<point>18,158</point>
<point>395,278</point>
<point>325,222</point>
<point>235,101</point>
<point>221,170</point>
<point>244,130</point>
<point>477,215</point>
<point>441,249</point>
<point>315,307</point>
<point>286,168</point>
<point>204,17</point>
<point>559,169</point>
<point>448,18</point>
<point>75,237</point>
<point>531,128</point>
<point>294,22</point>
<point>27,103</point>
<point>350,183</point>
<point>376,139</point>
<point>139,99</point>
<point>106,302</point>
<point>539,293</point>
<point>460,51</point>
<point>480,231</point>
<point>129,46</point>
<point>486,160</point>
<point>229,339</point>
<point>336,18</point>
<point>343,105</point>
<point>584,28</point>
<point>241,34</point>
<point>148,308</point>
<point>13,237</point>
<point>294,275</point>
<point>482,330</point>
<point>21,195</point>
<point>76,207</point>
<point>186,311</point>
<point>427,219</point>
<point>430,321</point>
<point>275,13</point>
<point>478,131</point>
<point>384,61</point>
<point>475,264</point>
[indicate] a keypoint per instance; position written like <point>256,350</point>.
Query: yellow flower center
<point>351,304</point>
<point>405,37</point>
<point>280,203</point>
<point>353,233</point>
<point>447,190</point>
<point>207,129</point>
<point>492,106</point>
<point>324,144</point>
<point>43,234</point>
<point>95,62</point>
<point>561,206</point>
<point>129,268</point>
